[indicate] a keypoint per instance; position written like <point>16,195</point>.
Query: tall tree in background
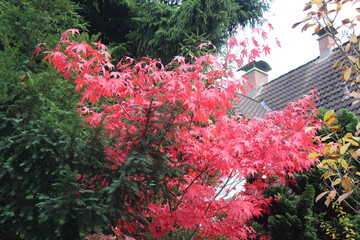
<point>43,146</point>
<point>164,29</point>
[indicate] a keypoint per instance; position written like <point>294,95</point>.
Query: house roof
<point>249,108</point>
<point>318,73</point>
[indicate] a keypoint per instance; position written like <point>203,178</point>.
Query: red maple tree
<point>168,127</point>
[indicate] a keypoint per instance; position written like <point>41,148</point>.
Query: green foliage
<point>42,151</point>
<point>341,152</point>
<point>111,18</point>
<point>344,226</point>
<point>27,23</point>
<point>339,164</point>
<point>347,120</point>
<point>163,29</point>
<point>151,34</point>
<point>292,216</point>
<point>354,219</point>
<point>191,43</point>
<point>43,145</point>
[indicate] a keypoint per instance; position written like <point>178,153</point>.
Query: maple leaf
<point>255,42</point>
<point>278,42</point>
<point>232,41</point>
<point>179,59</point>
<point>37,51</point>
<point>266,50</point>
<point>206,45</point>
<point>264,35</point>
<point>270,26</point>
<point>254,54</point>
<point>99,45</point>
<point>81,47</point>
<point>65,36</point>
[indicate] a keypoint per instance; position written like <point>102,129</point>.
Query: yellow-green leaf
<point>308,129</point>
<point>344,148</point>
<point>329,114</point>
<point>338,7</point>
<point>354,143</point>
<point>355,153</point>
<point>353,38</point>
<point>332,150</point>
<point>314,155</point>
<point>336,63</point>
<point>327,161</point>
<point>343,163</point>
<point>356,138</point>
<point>323,139</point>
<point>328,174</point>
<point>336,182</point>
<point>358,126</point>
<point>348,135</point>
<point>321,165</point>
<point>347,74</point>
<point>318,2</point>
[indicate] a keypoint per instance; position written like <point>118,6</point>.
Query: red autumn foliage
<point>187,104</point>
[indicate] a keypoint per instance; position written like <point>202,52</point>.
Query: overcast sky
<point>297,47</point>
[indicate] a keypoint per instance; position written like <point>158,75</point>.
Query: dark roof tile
<point>318,74</point>
<point>249,108</point>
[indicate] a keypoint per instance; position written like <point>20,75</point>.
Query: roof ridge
<point>250,98</point>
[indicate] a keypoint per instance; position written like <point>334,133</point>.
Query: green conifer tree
<point>43,147</point>
<point>161,29</point>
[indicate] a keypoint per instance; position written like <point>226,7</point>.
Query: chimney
<point>256,74</point>
<point>326,41</point>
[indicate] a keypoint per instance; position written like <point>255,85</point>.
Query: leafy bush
<point>43,145</point>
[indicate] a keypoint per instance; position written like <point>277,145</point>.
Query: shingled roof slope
<point>248,108</point>
<point>318,74</point>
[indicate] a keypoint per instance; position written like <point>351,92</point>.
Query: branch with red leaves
<point>175,118</point>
